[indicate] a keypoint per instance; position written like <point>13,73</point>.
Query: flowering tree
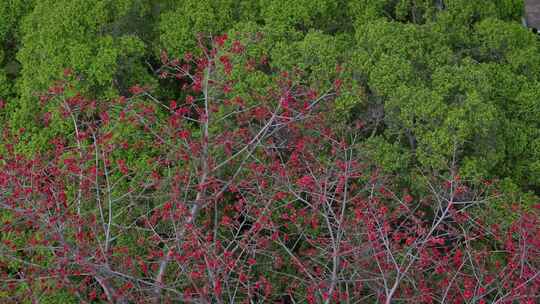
<point>242,194</point>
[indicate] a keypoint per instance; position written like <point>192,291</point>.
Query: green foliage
<point>326,15</point>
<point>317,54</point>
<point>392,157</point>
<point>453,84</point>
<point>455,103</point>
<point>436,88</point>
<point>183,20</point>
<point>56,36</point>
<point>10,14</point>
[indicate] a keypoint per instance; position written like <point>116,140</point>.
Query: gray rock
<point>532,13</point>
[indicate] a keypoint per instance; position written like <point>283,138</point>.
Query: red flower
<point>136,89</point>
<point>220,40</point>
<point>173,105</point>
<point>226,221</point>
<point>227,66</point>
<point>237,47</point>
<point>167,206</point>
<point>408,198</point>
<point>122,166</point>
<point>188,57</point>
<point>337,84</point>
<point>184,134</point>
<point>104,117</point>
<point>306,181</point>
<point>46,118</point>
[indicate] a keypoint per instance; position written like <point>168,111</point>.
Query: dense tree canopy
<point>426,90</point>
<point>433,80</point>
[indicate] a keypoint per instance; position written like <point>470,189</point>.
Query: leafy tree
<point>286,150</point>
<point>261,199</point>
<point>452,98</point>
<point>97,44</point>
<point>10,14</point>
<point>182,21</point>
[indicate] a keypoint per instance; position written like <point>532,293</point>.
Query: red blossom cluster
<point>222,197</point>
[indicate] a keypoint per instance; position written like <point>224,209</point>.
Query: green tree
<point>98,45</point>
<point>453,93</point>
<point>10,13</point>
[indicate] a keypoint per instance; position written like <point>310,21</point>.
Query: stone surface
<point>532,13</point>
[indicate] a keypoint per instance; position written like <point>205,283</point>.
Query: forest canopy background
<point>432,81</point>
<point>344,135</point>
